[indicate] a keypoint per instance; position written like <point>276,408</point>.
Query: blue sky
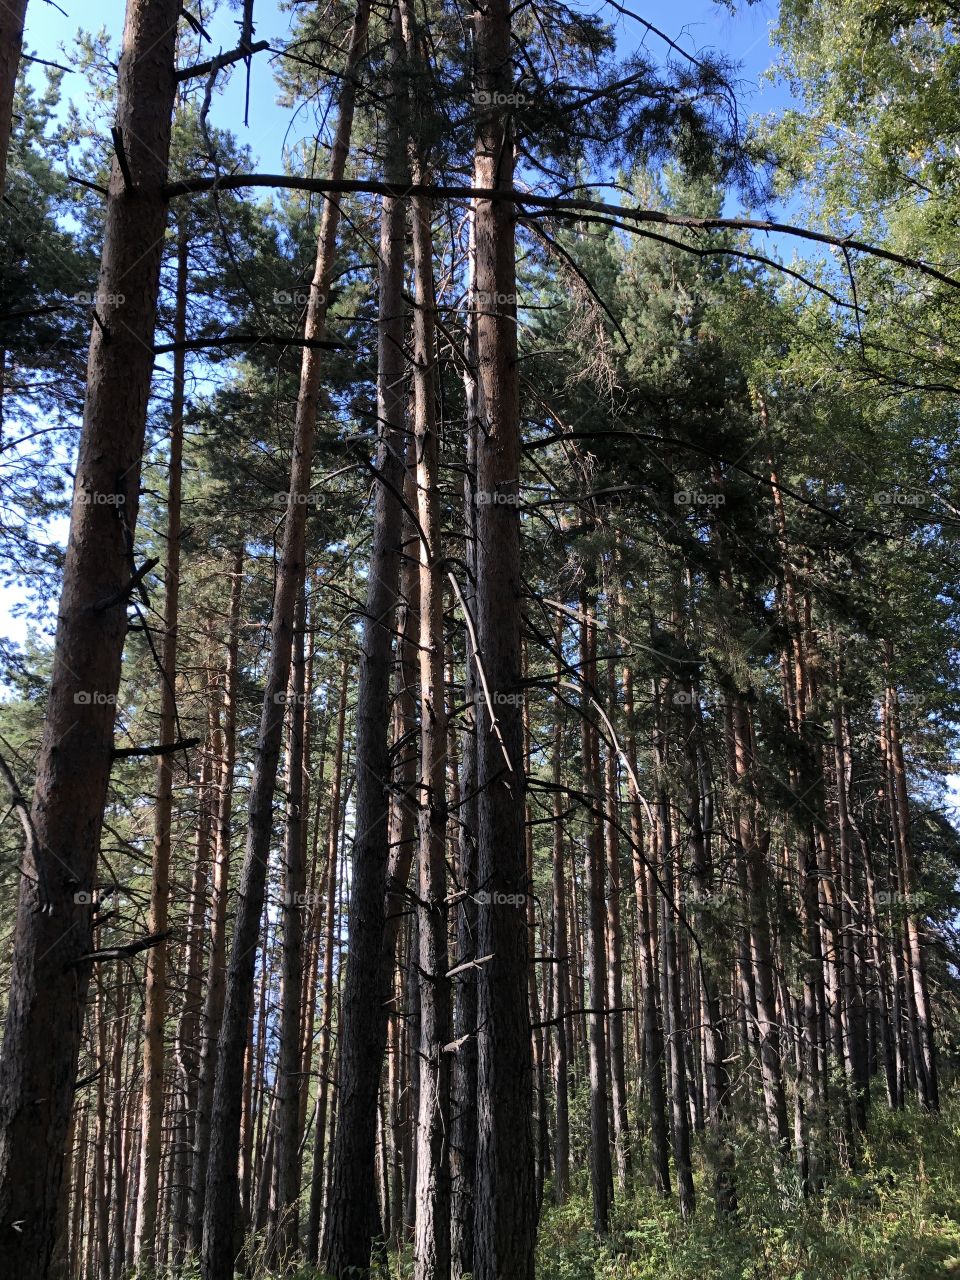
<point>694,24</point>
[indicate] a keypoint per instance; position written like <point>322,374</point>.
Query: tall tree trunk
<point>55,912</point>
<point>326,1009</point>
<point>561,978</point>
<point>614,963</point>
<point>294,905</point>
<point>351,1222</point>
<point>601,1172</point>
<point>217,963</point>
<point>463,1120</point>
<point>927,1066</point>
<point>672,1017</point>
<point>155,1002</point>
<point>225,1130</point>
<point>188,1046</point>
<point>505,1217</point>
<point>645,891</point>
<point>12,16</point>
<point>432,1239</point>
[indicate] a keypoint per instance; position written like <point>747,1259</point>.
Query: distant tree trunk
<point>326,1009</point>
<point>710,953</point>
<point>919,995</point>
<point>225,1130</point>
<point>561,978</point>
<point>432,1239</point>
<point>645,894</point>
<point>672,1008</point>
<point>12,16</point>
<point>49,981</point>
<point>463,1119</point>
<point>294,905</point>
<point>155,1002</point>
<point>852,928</point>
<point>403,841</point>
<point>595,955</point>
<point>351,1219</point>
<point>614,965</point>
<point>217,964</point>
<point>188,1047</point>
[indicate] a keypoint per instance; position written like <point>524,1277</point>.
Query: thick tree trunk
<point>48,982</point>
<point>12,16</point>
<point>505,1218</point>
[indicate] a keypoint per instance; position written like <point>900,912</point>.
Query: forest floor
<point>896,1216</point>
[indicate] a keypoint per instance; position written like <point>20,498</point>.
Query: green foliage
<point>895,1217</point>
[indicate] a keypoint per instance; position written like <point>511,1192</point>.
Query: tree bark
<point>47,988</point>
<point>432,1238</point>
<point>326,1008</point>
<point>289,1084</point>
<point>505,1212</point>
<point>217,963</point>
<point>594,946</point>
<point>12,16</point>
<point>463,1120</point>
<point>155,1005</point>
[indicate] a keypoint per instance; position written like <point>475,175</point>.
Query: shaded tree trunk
<point>218,1228</point>
<point>155,1005</point>
<point>12,16</point>
<point>49,980</point>
<point>505,1217</point>
<point>217,963</point>
<point>432,1237</point>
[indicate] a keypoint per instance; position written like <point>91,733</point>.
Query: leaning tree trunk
<point>12,15</point>
<point>219,1209</point>
<point>505,1218</point>
<point>56,909</point>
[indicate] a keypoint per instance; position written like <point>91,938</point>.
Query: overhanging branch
<point>562,206</point>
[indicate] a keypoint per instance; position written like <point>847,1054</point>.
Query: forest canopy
<point>480,715</point>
